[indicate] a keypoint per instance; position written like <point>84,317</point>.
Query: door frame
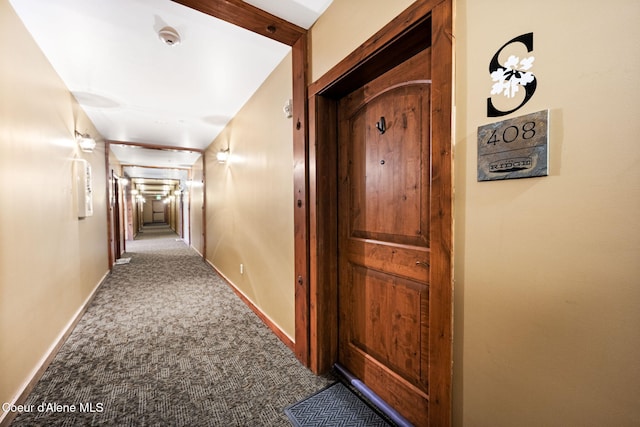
<point>116,211</point>
<point>426,23</point>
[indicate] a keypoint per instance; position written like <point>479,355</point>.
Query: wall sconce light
<point>85,142</point>
<point>222,156</point>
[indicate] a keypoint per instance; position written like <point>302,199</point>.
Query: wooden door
<point>383,235</point>
<point>158,210</point>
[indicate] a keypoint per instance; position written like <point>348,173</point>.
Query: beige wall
<point>250,201</point>
<point>147,211</point>
<point>547,269</point>
<point>50,261</point>
<point>344,26</point>
<point>186,220</point>
<point>135,211</point>
<point>196,197</point>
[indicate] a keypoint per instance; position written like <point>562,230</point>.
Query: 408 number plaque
<point>514,148</point>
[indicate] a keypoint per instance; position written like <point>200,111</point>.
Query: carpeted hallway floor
<point>167,343</point>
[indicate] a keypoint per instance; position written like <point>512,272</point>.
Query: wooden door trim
<point>381,43</point>
<point>300,198</point>
<point>400,39</point>
<point>107,173</point>
<point>441,267</point>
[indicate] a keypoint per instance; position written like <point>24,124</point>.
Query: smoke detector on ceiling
<point>169,36</point>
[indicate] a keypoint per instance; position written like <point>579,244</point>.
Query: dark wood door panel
<point>409,400</point>
<point>411,262</point>
<point>389,170</point>
<point>389,320</point>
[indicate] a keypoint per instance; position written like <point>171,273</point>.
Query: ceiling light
<point>169,36</point>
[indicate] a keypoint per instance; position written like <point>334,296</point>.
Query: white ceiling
<point>135,88</point>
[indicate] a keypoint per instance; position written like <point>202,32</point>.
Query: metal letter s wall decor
<point>510,77</point>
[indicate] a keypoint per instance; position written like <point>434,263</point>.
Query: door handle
<point>422,263</point>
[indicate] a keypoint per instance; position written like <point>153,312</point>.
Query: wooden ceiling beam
<point>155,146</point>
<point>131,165</point>
<point>249,17</point>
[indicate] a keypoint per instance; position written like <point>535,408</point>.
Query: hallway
<point>535,289</point>
<point>167,342</point>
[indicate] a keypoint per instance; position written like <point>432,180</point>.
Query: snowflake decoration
<point>508,80</point>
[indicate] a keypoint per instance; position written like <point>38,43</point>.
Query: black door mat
<point>334,405</point>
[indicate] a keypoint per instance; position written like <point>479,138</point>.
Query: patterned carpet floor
<point>166,342</point>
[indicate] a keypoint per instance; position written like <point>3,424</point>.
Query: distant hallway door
<point>383,226</point>
<point>158,207</point>
<point>117,233</point>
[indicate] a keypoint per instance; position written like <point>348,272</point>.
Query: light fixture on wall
<point>222,156</point>
<point>85,142</point>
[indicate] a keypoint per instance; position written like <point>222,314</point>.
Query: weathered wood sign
<point>514,148</point>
